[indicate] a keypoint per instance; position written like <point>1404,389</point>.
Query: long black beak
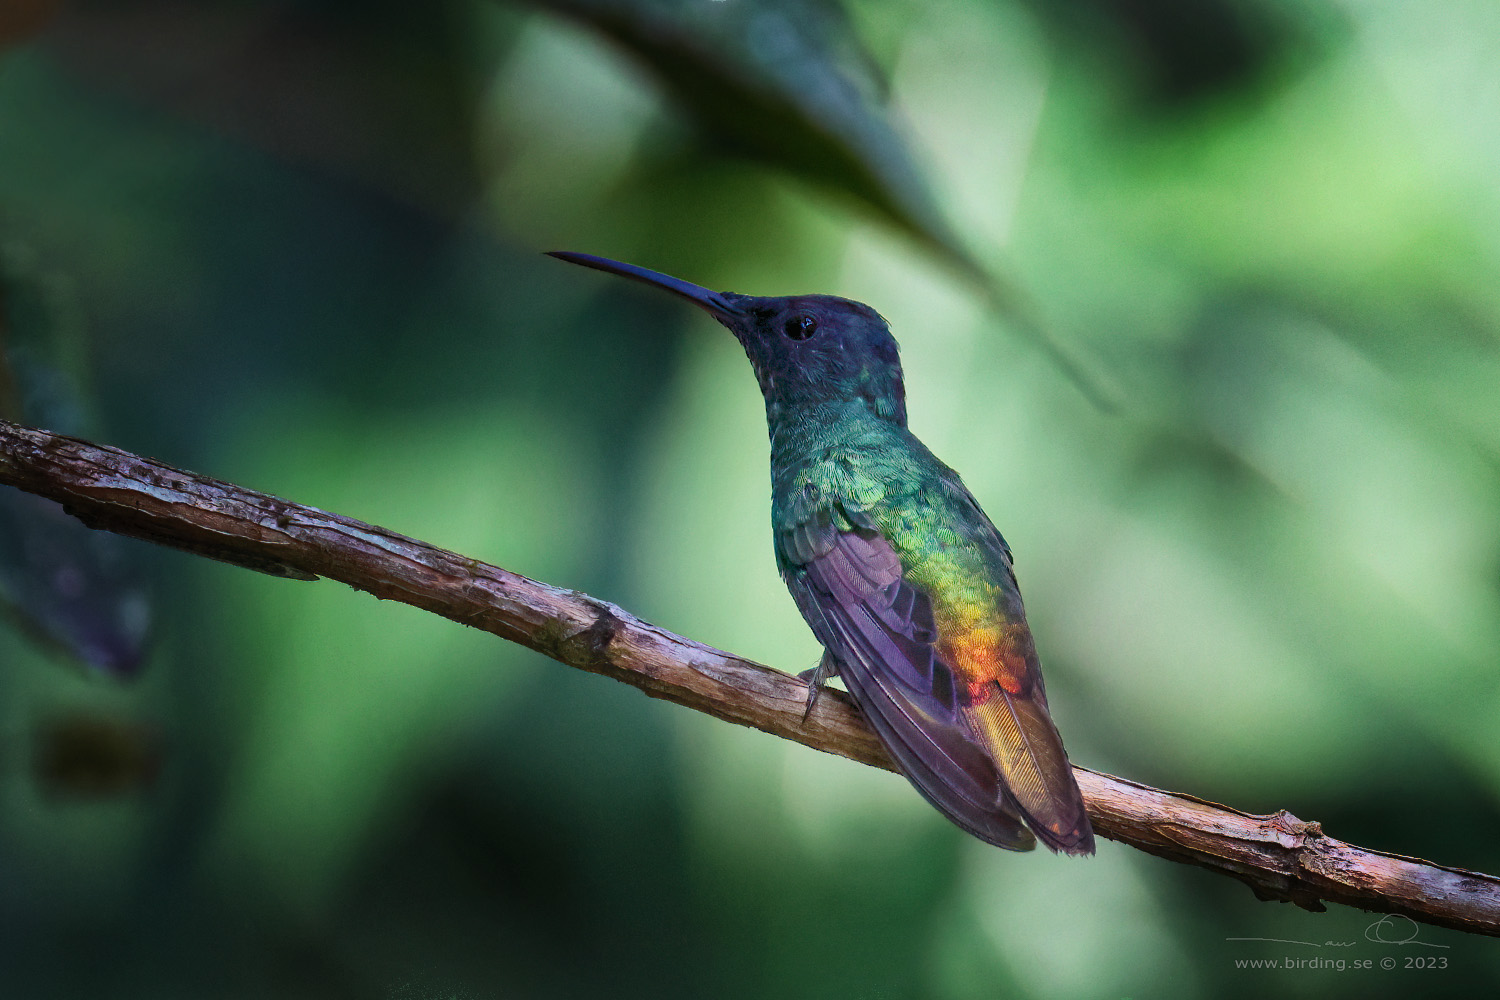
<point>699,296</point>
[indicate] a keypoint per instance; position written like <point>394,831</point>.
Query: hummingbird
<point>901,576</point>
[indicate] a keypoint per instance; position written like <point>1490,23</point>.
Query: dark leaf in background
<point>785,83</point>
<point>66,585</point>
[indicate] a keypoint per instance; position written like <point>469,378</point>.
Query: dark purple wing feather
<point>879,627</point>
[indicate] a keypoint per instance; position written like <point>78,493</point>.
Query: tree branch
<point>1278,856</point>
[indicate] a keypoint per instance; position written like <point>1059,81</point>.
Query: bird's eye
<point>800,327</point>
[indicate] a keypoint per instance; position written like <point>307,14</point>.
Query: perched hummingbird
<point>901,576</point>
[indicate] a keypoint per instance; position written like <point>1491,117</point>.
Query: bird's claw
<point>814,679</point>
<point>814,690</point>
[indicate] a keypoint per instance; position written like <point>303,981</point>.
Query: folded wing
<point>983,752</point>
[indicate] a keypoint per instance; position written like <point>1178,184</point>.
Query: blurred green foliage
<point>306,235</point>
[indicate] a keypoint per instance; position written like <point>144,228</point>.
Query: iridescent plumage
<point>901,576</point>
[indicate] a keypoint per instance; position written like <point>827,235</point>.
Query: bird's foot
<point>815,678</point>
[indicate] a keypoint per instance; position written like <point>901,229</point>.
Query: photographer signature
<point>1391,929</point>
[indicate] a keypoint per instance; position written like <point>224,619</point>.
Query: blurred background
<point>1201,297</point>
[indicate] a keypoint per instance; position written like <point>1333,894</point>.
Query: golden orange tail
<point>1034,768</point>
